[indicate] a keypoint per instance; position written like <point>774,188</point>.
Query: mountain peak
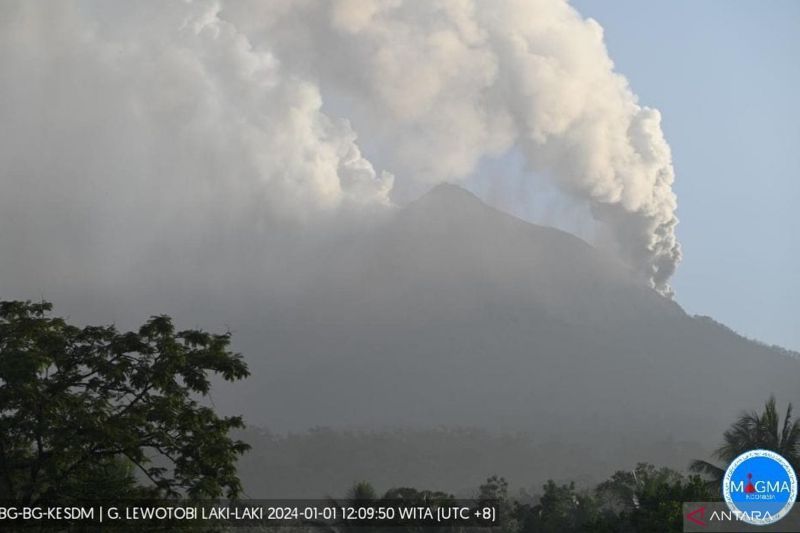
<point>449,193</point>
<point>447,201</point>
<point>454,208</point>
<point>450,189</point>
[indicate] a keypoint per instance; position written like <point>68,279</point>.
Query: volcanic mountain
<point>455,314</point>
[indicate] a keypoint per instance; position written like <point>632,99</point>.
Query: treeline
<point>320,461</point>
<point>92,413</point>
<point>644,499</point>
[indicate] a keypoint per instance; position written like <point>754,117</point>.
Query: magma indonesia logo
<point>760,487</point>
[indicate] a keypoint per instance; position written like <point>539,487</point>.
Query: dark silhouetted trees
<point>752,431</point>
<point>83,411</point>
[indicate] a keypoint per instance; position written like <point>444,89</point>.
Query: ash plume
<point>171,122</point>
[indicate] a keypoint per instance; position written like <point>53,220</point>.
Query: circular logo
<point>760,487</point>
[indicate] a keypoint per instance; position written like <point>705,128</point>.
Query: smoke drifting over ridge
<point>170,121</point>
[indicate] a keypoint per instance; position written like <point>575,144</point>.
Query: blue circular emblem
<point>760,487</point>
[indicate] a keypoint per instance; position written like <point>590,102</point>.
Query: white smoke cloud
<point>182,118</point>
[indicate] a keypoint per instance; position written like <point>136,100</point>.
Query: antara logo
<point>729,516</point>
<point>759,487</point>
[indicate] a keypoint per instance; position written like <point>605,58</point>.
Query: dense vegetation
<point>91,413</point>
<point>646,499</point>
<point>85,412</point>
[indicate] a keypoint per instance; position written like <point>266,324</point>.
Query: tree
<point>562,509</point>
<point>647,499</point>
<point>407,495</point>
<point>495,490</point>
<point>412,498</point>
<point>755,431</point>
<point>363,494</point>
<point>82,408</point>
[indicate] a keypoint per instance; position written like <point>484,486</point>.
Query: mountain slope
<point>453,313</point>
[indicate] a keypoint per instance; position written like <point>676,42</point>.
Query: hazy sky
<point>132,129</point>
<point>150,145</point>
<point>725,76</point>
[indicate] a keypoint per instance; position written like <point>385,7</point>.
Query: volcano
<point>454,314</point>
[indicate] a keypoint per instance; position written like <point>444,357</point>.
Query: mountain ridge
<point>455,314</point>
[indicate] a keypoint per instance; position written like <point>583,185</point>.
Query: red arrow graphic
<point>699,521</point>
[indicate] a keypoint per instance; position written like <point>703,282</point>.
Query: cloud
<point>131,129</point>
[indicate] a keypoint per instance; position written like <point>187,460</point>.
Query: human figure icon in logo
<point>750,488</point>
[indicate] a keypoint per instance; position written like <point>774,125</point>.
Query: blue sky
<point>725,76</point>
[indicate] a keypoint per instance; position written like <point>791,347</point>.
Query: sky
<point>137,131</point>
<point>725,76</point>
<point>167,145</point>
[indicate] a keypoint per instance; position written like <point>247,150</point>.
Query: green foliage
<point>495,490</point>
<point>755,431</point>
<point>361,491</point>
<point>560,508</point>
<point>413,496</point>
<point>643,500</point>
<point>650,498</point>
<point>364,494</point>
<point>82,408</point>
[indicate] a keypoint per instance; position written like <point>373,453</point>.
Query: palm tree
<point>756,431</point>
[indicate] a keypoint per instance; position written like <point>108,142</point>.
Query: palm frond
<point>753,430</point>
<point>770,421</point>
<point>708,469</point>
